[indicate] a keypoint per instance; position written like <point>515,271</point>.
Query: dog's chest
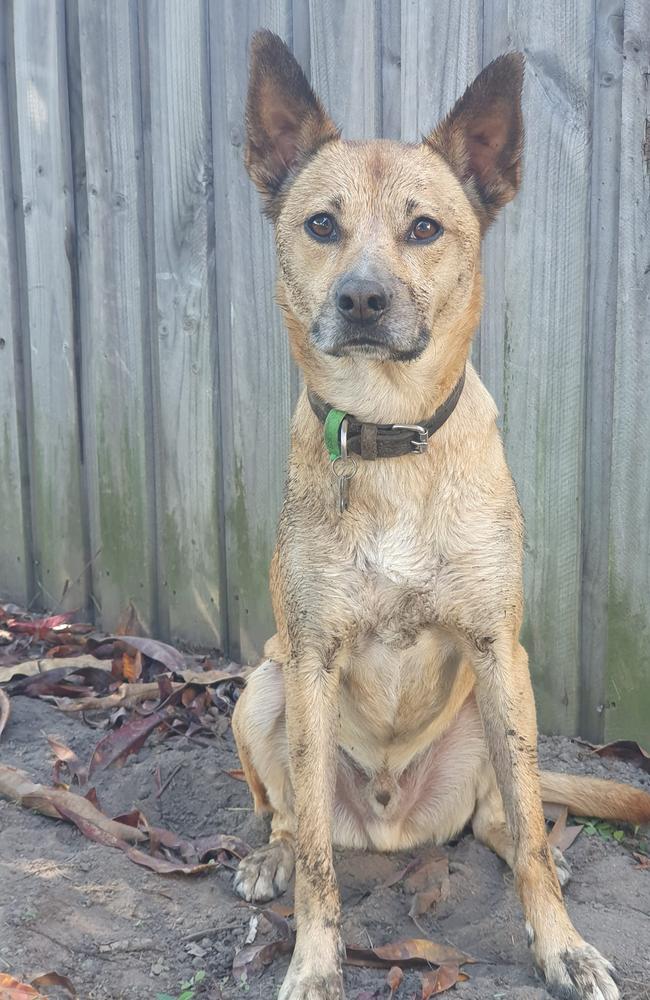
<point>397,572</point>
<point>398,551</point>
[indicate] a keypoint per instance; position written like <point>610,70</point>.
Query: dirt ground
<point>120,931</point>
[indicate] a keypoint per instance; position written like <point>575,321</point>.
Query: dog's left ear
<point>285,121</point>
<point>482,137</point>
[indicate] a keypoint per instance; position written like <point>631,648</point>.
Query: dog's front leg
<point>311,682</point>
<point>572,969</point>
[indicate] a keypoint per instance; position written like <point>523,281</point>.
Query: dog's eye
<point>424,230</point>
<point>321,226</point>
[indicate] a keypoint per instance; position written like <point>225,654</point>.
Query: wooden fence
<point>145,381</point>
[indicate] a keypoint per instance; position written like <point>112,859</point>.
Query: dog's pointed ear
<point>285,121</point>
<point>482,137</point>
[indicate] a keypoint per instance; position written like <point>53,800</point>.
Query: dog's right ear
<point>482,137</point>
<point>285,121</point>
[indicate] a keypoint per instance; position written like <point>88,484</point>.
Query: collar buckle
<point>419,445</point>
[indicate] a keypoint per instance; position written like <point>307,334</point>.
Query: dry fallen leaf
<point>66,759</point>
<point>65,650</point>
<point>282,909</point>
<point>29,668</point>
<point>429,882</point>
<point>394,979</point>
<point>63,682</point>
<point>157,863</point>
<point>55,979</point>
<point>130,666</point>
<point>418,877</point>
<point>211,847</point>
<point>39,627</point>
<point>442,979</point>
<point>115,747</point>
<point>255,957</point>
<point>561,835</point>
<point>413,951</point>
<point>400,875</point>
<point>628,750</point>
<point>5,710</point>
<point>161,652</point>
<point>12,653</point>
<point>12,989</point>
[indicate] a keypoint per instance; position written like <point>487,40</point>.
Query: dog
<point>394,706</point>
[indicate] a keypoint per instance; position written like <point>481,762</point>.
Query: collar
<point>372,441</point>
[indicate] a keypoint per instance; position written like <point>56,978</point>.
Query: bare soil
<point>120,931</point>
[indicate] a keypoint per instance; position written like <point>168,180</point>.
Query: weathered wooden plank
<point>253,349</point>
<point>186,369</point>
<point>441,53</point>
<point>628,708</point>
<point>544,334</point>
<point>114,315</point>
<point>390,56</point>
<point>43,152</point>
<point>346,64</point>
<point>599,372</point>
<point>15,557</point>
<point>299,40</point>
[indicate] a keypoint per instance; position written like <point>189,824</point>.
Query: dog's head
<point>378,242</point>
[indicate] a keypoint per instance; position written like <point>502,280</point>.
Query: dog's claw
<point>562,867</point>
<point>265,873</point>
<point>581,974</point>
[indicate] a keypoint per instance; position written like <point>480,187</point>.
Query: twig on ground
<point>169,780</point>
<point>126,695</point>
<point>138,944</point>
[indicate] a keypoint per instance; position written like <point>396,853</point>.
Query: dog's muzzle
<point>371,316</point>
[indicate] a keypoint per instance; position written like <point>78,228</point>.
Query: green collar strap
<point>332,433</point>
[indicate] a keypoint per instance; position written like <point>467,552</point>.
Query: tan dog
<point>396,705</point>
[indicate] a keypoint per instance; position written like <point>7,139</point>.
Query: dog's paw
<point>312,987</point>
<point>581,974</point>
<point>316,964</point>
<point>562,866</point>
<point>265,873</point>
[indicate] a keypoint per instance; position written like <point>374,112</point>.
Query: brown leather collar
<point>372,441</point>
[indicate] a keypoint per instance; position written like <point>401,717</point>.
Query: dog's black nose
<point>383,797</point>
<point>362,300</point>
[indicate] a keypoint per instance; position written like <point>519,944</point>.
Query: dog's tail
<point>593,797</point>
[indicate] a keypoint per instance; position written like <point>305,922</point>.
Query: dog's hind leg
<point>573,969</point>
<point>490,827</point>
<point>260,733</point>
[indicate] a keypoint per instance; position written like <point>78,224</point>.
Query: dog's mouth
<point>380,346</point>
<point>363,345</point>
